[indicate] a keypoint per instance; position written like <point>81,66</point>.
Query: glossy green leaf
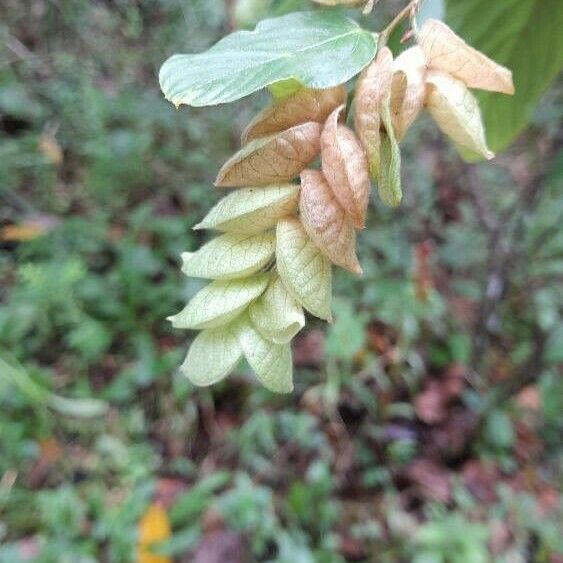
<point>276,314</point>
<point>318,49</point>
<point>304,270</point>
<point>526,37</point>
<point>220,302</point>
<point>212,355</point>
<point>230,256</point>
<point>252,210</point>
<point>271,362</point>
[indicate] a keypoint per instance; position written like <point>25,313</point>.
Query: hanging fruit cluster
<point>280,239</point>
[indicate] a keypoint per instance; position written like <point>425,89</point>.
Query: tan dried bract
<point>345,167</point>
<point>408,89</point>
<point>305,105</point>
<point>273,159</point>
<point>447,52</point>
<point>326,222</point>
<point>373,87</point>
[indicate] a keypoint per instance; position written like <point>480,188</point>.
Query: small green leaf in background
<point>526,37</point>
<point>318,49</point>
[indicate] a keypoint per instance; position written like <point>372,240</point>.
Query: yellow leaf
<point>153,527</point>
<point>300,107</point>
<point>274,159</point>
<point>325,221</point>
<point>373,87</point>
<point>345,167</point>
<point>447,52</point>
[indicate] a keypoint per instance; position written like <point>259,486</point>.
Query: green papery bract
<point>230,256</point>
<point>304,270</point>
<point>252,210</point>
<point>213,355</point>
<point>271,362</point>
<point>220,302</point>
<point>276,314</point>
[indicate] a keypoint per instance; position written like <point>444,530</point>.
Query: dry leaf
<point>447,52</point>
<point>303,106</point>
<point>456,111</point>
<point>154,527</point>
<point>408,89</point>
<point>325,221</point>
<point>274,159</point>
<point>373,86</point>
<point>51,149</point>
<point>345,167</point>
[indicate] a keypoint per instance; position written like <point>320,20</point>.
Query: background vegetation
<point>426,423</point>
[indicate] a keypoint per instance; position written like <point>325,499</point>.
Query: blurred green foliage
<point>109,178</point>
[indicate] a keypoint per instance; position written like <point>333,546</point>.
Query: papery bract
<point>220,302</point>
<point>372,88</point>
<point>345,167</point>
<point>447,52</point>
<point>276,314</point>
<point>408,89</point>
<point>456,111</point>
<point>273,159</point>
<point>252,210</point>
<point>212,355</point>
<point>326,222</point>
<point>230,256</point>
<point>271,362</point>
<point>304,270</point>
<point>302,106</point>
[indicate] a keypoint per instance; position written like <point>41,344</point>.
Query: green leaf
<point>276,314</point>
<point>252,210</point>
<point>304,270</point>
<point>523,35</point>
<point>271,362</point>
<point>213,355</point>
<point>220,302</point>
<point>389,182</point>
<point>230,256</point>
<point>318,49</point>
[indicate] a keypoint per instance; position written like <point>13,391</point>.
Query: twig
<point>408,12</point>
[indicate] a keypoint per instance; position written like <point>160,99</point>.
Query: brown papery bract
<point>305,105</point>
<point>447,52</point>
<point>407,89</point>
<point>273,159</point>
<point>326,222</point>
<point>373,87</point>
<point>345,167</point>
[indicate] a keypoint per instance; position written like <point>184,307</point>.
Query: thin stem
<point>408,11</point>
